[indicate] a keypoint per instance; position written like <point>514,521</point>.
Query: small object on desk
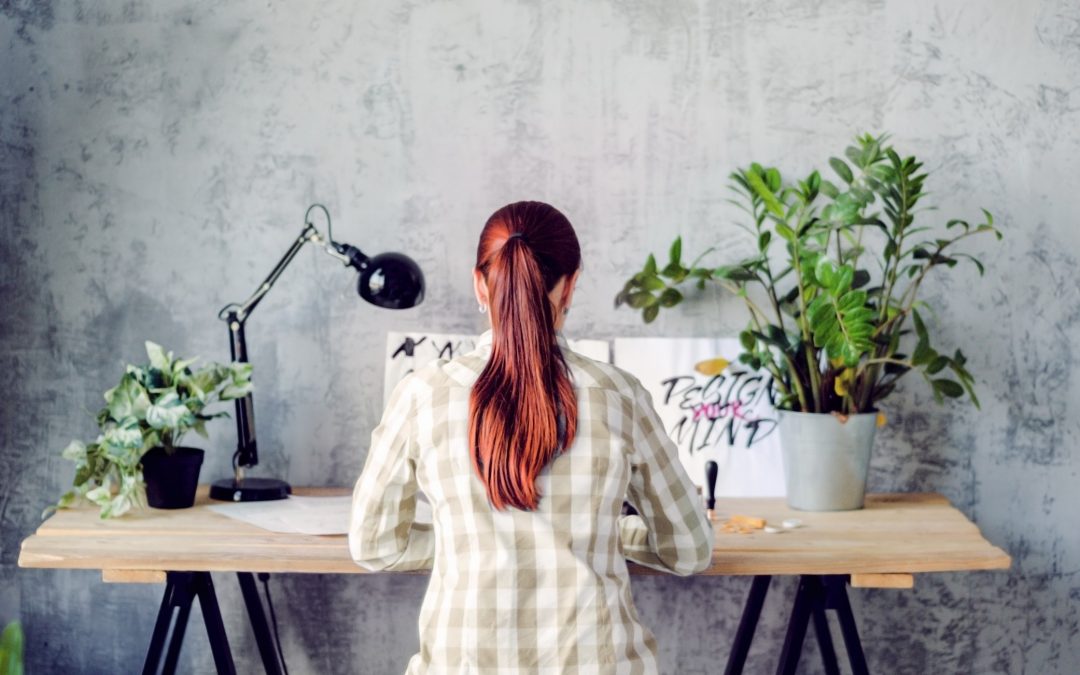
<point>772,529</point>
<point>711,471</point>
<point>752,522</point>
<point>738,524</point>
<point>791,523</point>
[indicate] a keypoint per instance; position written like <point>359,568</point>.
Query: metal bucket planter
<point>826,459</point>
<point>171,478</point>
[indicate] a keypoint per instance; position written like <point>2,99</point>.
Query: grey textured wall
<point>156,158</point>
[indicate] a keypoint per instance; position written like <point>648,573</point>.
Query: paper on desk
<point>301,515</point>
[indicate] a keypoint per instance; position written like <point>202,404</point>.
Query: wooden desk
<point>883,545</point>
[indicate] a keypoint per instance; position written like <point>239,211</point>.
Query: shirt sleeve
<point>382,531</point>
<point>672,533</point>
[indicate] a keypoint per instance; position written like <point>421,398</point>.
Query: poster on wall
<point>726,416</point>
<point>405,352</point>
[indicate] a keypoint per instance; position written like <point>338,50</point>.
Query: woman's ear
<point>568,289</point>
<point>480,288</point>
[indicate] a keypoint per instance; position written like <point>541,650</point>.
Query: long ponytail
<point>522,409</point>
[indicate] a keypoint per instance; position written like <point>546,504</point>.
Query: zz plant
<point>835,317</point>
<point>154,404</point>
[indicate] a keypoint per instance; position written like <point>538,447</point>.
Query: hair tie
<point>516,234</point>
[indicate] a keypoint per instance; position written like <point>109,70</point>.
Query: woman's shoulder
<point>461,370</point>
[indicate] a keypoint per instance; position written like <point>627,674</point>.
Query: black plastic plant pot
<point>171,478</point>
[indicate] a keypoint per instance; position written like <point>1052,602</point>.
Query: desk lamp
<point>390,280</point>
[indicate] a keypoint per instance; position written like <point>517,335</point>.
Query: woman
<point>526,452</point>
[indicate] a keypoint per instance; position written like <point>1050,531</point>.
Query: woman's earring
<point>483,309</point>
<point>565,311</point>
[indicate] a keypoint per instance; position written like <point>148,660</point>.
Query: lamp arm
<point>236,314</point>
<point>241,311</point>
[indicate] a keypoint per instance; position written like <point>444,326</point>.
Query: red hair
<point>522,409</point>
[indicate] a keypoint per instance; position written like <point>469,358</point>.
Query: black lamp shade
<point>392,281</point>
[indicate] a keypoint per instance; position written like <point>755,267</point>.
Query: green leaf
<point>650,313</point>
<point>650,265</point>
<point>772,179</point>
<point>777,336</point>
<point>241,371</point>
<point>128,436</point>
<point>842,169</point>
<point>825,272</point>
<point>75,451</point>
<point>181,365</point>
<point>762,190</point>
<point>747,340</point>
<point>670,297</point>
<point>158,358</point>
<point>676,251</point>
<point>763,241</point>
<point>965,377</point>
<point>920,327</point>
<point>844,276</point>
<point>937,365</point>
<point>639,299</point>
<point>99,495</point>
<point>128,399</point>
<point>923,353</point>
<point>948,388</point>
<point>784,231</point>
<point>852,301</point>
<point>169,412</point>
<point>12,652</point>
<point>734,273</point>
<point>652,283</point>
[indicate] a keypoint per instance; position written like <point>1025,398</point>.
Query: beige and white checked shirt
<point>544,591</point>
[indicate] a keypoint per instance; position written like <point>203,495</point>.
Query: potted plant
<point>835,314</point>
<point>137,459</point>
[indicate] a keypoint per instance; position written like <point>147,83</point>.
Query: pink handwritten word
<point>712,411</point>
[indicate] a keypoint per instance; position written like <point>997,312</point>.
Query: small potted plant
<point>137,459</point>
<point>835,315</point>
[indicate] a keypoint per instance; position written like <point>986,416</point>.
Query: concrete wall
<point>156,159</point>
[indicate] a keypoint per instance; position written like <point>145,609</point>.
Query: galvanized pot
<point>826,459</point>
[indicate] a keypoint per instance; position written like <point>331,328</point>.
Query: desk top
<point>895,534</point>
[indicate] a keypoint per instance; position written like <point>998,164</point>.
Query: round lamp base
<point>249,490</point>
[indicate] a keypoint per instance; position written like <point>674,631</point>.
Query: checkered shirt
<point>544,591</point>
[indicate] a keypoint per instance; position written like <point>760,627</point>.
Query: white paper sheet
<point>728,418</point>
<point>303,515</point>
<point>295,515</point>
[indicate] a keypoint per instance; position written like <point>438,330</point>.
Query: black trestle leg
<point>263,638</point>
<point>747,625</point>
<point>797,624</point>
<point>176,600</point>
<point>824,638</point>
<point>838,600</point>
<point>181,589</point>
<point>215,627</point>
<point>176,640</point>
